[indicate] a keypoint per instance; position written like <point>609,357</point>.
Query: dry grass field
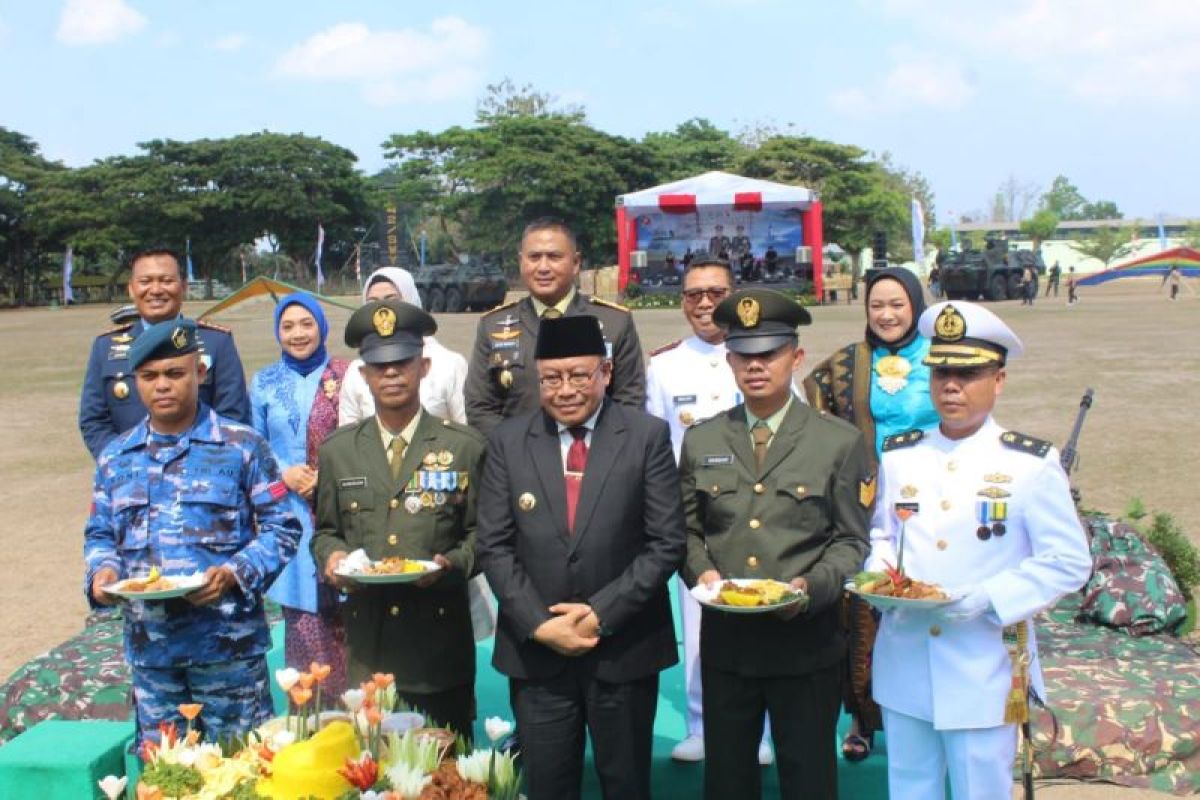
<point>1140,352</point>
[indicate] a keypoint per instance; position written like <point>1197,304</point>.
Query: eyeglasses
<point>577,380</point>
<point>716,294</point>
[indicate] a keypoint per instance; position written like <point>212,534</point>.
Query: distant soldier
<point>1175,280</point>
<point>109,405</point>
<point>1072,297</point>
<point>739,245</point>
<point>1052,281</point>
<point>186,490</point>
<point>985,513</point>
<point>502,378</point>
<point>719,244</point>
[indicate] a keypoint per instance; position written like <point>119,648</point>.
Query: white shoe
<point>690,749</point>
<point>766,756</point>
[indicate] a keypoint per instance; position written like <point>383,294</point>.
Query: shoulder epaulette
<point>458,427</point>
<point>502,306</point>
<point>212,326</point>
<point>1026,444</point>
<point>899,440</point>
<point>666,347</point>
<point>617,306</point>
<point>118,329</point>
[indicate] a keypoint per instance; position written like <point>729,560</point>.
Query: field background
<point>1139,351</point>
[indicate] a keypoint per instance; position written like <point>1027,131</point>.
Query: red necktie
<point>576,463</point>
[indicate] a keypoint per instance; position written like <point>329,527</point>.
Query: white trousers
<point>689,619</point>
<point>979,760</point>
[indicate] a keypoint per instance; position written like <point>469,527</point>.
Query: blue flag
<point>1162,233</point>
<point>191,275</point>
<point>68,268</point>
<point>320,248</point>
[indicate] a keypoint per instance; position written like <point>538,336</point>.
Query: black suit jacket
<point>629,538</point>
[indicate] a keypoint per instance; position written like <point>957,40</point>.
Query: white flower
<point>286,678</point>
<point>282,739</point>
<point>408,781</point>
<point>497,728</point>
<point>353,699</point>
<point>474,767</point>
<point>112,786</point>
<point>186,757</point>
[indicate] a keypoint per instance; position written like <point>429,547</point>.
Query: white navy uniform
<point>990,517</point>
<point>689,381</point>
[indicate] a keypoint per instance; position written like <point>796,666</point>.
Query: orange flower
<point>374,716</point>
<point>306,680</point>
<point>381,680</point>
<point>145,792</point>
<point>300,695</point>
<point>191,738</point>
<point>368,690</point>
<point>190,710</point>
<point>320,671</point>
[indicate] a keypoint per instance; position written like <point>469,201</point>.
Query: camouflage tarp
<point>1132,587</point>
<point>85,677</point>
<point>1128,708</point>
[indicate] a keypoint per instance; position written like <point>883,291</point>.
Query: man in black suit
<point>580,528</point>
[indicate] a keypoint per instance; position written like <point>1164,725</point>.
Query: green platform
<point>63,760</point>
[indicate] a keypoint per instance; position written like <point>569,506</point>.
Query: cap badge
<point>384,321</point>
<point>950,325</point>
<point>179,338</point>
<point>748,312</point>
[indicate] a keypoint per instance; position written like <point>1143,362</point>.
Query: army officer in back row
<point>402,483</point>
<point>772,489</point>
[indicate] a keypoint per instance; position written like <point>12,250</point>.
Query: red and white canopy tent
<point>719,190</point>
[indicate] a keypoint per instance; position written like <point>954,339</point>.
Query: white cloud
<point>920,80</point>
<point>230,41</point>
<point>1105,51</point>
<point>97,22</point>
<point>392,67</point>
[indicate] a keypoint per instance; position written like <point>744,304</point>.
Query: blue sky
<point>968,93</point>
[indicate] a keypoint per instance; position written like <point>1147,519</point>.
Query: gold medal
<point>506,378</point>
<point>120,390</point>
<point>526,502</point>
<point>445,458</point>
<point>908,491</point>
<point>430,459</point>
<point>426,499</point>
<point>686,418</point>
<point>331,388</point>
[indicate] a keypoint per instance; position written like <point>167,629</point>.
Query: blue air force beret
<point>174,337</point>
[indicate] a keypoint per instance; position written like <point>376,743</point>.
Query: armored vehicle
<point>474,284</point>
<point>991,274</point>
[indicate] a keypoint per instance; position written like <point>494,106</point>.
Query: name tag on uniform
<point>118,351</point>
<point>512,344</point>
<point>718,461</point>
<point>607,349</point>
<point>352,483</point>
<point>683,399</point>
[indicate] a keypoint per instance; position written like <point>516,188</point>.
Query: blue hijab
<point>304,366</point>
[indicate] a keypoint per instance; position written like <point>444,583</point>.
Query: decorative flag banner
<point>190,275</point>
<point>68,267</point>
<point>320,248</point>
<point>918,231</point>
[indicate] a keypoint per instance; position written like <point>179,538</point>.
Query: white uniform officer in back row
<point>688,381</point>
<point>985,513</point>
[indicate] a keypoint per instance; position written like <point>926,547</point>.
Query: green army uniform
<point>502,378</point>
<point>423,636</point>
<point>803,514</point>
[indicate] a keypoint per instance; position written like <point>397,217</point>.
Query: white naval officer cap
<point>966,335</point>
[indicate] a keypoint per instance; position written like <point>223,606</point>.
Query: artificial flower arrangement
<point>310,755</point>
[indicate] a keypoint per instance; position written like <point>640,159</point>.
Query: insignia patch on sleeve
<point>866,491</point>
<point>277,490</point>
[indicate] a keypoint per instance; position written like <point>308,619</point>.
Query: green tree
<point>1106,243</point>
<point>694,147</point>
<point>505,99</point>
<point>1101,209</point>
<point>22,168</point>
<point>1040,227</point>
<point>1063,199</point>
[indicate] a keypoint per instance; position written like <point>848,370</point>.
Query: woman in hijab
<point>880,386</point>
<point>441,389</point>
<point>294,405</point>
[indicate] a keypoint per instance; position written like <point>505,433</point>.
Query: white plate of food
<point>388,570</point>
<point>880,590</point>
<point>748,595</point>
<point>156,586</point>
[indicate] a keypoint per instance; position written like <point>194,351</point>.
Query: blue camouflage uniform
<point>109,404</point>
<point>210,496</point>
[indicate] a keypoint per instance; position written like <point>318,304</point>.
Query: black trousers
<point>554,716</point>
<point>804,712</point>
<point>452,708</point>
